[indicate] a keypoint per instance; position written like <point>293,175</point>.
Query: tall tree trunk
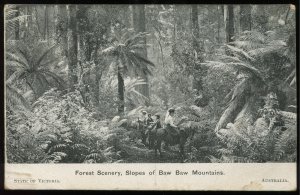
<point>261,18</point>
<point>139,23</point>
<point>17,24</point>
<point>245,17</point>
<point>179,26</point>
<point>55,15</point>
<point>72,47</point>
<point>219,23</point>
<point>63,21</point>
<point>121,92</point>
<point>26,22</point>
<point>197,47</point>
<point>46,28</point>
<point>229,23</point>
<point>126,16</point>
<point>195,29</point>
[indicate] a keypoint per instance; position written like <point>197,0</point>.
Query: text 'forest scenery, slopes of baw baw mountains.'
<point>150,83</point>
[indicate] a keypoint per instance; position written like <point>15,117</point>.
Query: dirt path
<point>142,154</point>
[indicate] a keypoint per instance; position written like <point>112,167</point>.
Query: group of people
<point>150,123</point>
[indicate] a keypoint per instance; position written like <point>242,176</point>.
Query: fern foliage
<point>32,66</point>
<point>272,138</point>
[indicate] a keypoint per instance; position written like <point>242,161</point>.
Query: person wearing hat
<point>155,124</point>
<point>169,122</point>
<point>149,120</point>
<point>152,127</point>
<point>143,123</point>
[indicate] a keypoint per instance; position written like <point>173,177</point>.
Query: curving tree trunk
<point>244,103</point>
<point>239,98</point>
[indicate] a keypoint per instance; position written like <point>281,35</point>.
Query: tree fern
<point>260,143</point>
<point>128,59</point>
<point>34,69</point>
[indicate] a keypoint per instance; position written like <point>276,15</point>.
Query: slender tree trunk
<point>26,30</point>
<point>121,92</point>
<point>63,28</point>
<point>126,15</point>
<point>36,8</point>
<point>197,46</point>
<point>46,30</point>
<point>72,47</point>
<point>139,23</point>
<point>17,24</point>
<point>245,17</point>
<point>219,23</point>
<point>195,29</point>
<point>229,24</point>
<point>179,26</point>
<point>98,74</point>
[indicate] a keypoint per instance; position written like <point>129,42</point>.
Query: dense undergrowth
<point>59,129</point>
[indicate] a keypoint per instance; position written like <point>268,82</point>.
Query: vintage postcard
<point>150,97</point>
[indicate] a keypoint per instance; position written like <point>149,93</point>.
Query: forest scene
<point>150,83</point>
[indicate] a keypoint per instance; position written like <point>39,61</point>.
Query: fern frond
<point>240,52</point>
<point>14,99</point>
<point>58,148</point>
<point>79,147</point>
<point>44,54</point>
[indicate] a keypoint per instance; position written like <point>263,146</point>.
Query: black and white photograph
<point>150,96</point>
<point>150,83</point>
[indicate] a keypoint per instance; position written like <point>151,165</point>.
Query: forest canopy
<point>78,76</point>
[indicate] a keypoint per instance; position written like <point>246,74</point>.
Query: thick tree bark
<point>245,17</point>
<point>139,23</point>
<point>72,47</point>
<point>229,23</point>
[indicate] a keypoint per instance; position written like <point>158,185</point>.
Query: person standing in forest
<point>143,125</point>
